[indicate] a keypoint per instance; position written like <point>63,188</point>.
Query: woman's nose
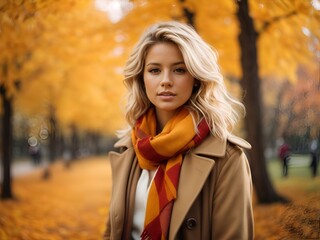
<point>166,80</point>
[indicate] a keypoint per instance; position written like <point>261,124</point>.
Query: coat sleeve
<point>232,215</point>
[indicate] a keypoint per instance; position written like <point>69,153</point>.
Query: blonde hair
<point>210,100</point>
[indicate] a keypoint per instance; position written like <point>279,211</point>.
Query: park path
<point>23,167</point>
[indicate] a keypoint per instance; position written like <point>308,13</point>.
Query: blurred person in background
<point>314,151</point>
<point>34,151</point>
<point>180,173</point>
<point>284,155</point>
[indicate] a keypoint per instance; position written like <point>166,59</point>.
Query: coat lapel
<point>194,173</point>
<point>195,170</point>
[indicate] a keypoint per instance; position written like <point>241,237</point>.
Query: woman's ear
<point>141,82</point>
<point>196,86</point>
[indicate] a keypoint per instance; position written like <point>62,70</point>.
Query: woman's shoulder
<point>217,147</point>
<point>238,141</point>
<point>236,146</point>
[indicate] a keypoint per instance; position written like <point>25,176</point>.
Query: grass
<point>298,167</point>
<point>299,175</point>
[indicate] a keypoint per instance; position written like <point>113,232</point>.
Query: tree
<point>43,53</point>
<point>10,64</point>
<point>6,191</point>
<point>248,38</point>
<point>253,101</point>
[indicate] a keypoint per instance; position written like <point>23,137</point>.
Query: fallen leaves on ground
<point>293,221</point>
<point>73,204</point>
<point>297,220</point>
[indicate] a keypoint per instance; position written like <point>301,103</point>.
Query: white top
<point>140,202</point>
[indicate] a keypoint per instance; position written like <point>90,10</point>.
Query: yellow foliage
<point>67,56</point>
<point>217,24</point>
<point>90,106</point>
<point>284,45</point>
<point>60,48</point>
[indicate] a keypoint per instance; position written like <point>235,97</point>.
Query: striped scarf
<point>164,151</point>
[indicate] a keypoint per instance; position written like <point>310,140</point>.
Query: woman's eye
<point>180,70</point>
<point>154,70</point>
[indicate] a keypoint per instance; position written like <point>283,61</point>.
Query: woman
<point>180,173</point>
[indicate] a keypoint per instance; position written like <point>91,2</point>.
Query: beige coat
<point>214,194</point>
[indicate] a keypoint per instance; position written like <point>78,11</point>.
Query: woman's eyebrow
<point>177,63</point>
<point>158,64</point>
<point>153,63</point>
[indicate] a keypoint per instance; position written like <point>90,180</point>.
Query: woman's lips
<point>166,95</point>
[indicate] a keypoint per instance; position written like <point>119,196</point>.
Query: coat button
<point>191,223</point>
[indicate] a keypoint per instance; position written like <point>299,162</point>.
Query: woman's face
<point>168,83</point>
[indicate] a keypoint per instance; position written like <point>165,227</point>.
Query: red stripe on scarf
<point>148,152</point>
<point>153,231</point>
<point>203,130</point>
<point>173,173</point>
<point>163,200</point>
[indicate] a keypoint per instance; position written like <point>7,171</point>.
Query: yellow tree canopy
<point>68,56</point>
<point>289,36</point>
<point>62,58</point>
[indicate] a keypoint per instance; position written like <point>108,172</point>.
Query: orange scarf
<point>164,151</point>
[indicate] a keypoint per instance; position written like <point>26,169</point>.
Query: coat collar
<point>124,142</point>
<point>211,146</point>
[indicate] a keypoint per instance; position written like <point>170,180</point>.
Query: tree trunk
<point>74,144</point>
<point>96,145</point>
<point>188,14</point>
<point>52,137</point>
<point>253,101</point>
<point>52,144</point>
<point>7,140</point>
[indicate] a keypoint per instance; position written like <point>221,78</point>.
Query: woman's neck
<point>162,118</point>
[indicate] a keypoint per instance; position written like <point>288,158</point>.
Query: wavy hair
<point>210,99</point>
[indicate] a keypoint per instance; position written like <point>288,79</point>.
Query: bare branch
<point>276,19</point>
